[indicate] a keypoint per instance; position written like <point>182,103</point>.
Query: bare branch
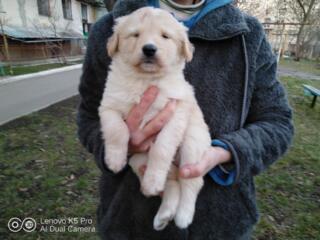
<point>301,6</point>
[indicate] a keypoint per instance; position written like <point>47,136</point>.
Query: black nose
<point>149,50</point>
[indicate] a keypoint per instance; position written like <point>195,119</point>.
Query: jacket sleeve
<point>91,88</point>
<point>268,129</point>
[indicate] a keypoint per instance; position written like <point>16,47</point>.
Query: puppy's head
<point>150,40</point>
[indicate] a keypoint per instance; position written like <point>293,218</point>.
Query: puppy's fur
<point>184,138</point>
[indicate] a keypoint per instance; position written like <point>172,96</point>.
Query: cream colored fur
<point>184,138</point>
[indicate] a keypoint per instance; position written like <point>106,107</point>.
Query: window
<point>43,7</point>
<point>84,12</point>
<point>67,9</point>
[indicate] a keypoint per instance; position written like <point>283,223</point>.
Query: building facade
<point>39,29</point>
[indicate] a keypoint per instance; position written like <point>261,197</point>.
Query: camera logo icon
<point>16,224</point>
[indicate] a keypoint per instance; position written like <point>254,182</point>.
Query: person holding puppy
<point>233,73</point>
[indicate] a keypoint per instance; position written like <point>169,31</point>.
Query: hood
<point>209,5</point>
<point>221,23</point>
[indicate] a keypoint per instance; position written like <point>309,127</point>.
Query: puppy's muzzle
<point>149,50</point>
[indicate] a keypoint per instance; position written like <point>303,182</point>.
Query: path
<point>28,93</point>
<point>283,71</point>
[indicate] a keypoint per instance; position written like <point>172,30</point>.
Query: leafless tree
<point>52,35</point>
<point>3,22</point>
<point>57,46</point>
<point>259,9</point>
<point>109,4</point>
<point>306,13</point>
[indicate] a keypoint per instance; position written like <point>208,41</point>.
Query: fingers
<point>143,147</point>
<point>156,124</point>
<point>197,170</point>
<point>192,171</point>
<point>136,114</point>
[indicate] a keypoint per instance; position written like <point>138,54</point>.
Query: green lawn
<point>45,173</point>
<point>289,192</point>
<point>308,66</point>
<point>20,70</point>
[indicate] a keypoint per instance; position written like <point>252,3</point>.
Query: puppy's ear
<point>112,45</point>
<point>113,42</point>
<point>187,47</point>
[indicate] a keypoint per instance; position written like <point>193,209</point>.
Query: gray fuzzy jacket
<point>234,76</point>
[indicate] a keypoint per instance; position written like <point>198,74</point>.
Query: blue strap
<point>218,174</point>
<point>222,178</point>
<point>154,3</point>
<point>219,143</point>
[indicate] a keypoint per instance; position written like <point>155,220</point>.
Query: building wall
<point>24,13</point>
<point>20,51</point>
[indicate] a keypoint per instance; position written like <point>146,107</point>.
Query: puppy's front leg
<point>162,152</point>
<point>116,136</point>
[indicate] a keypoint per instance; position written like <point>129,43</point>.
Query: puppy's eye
<point>135,35</point>
<point>165,36</point>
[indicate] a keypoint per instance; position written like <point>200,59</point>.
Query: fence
<point>24,51</point>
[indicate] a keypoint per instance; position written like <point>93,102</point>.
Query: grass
<point>308,66</point>
<point>45,173</point>
<point>20,70</point>
<point>289,192</point>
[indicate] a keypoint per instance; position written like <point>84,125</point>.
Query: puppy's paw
<point>183,218</point>
<point>115,160</point>
<point>116,166</point>
<point>162,219</point>
<point>152,185</point>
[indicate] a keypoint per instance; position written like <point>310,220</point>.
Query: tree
<point>303,11</point>
<point>109,4</point>
<point>52,34</point>
<point>260,9</point>
<point>3,22</point>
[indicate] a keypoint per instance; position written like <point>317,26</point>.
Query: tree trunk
<point>298,43</point>
<point>299,37</point>
<point>109,4</point>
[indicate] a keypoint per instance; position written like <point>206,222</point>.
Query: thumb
<point>192,170</point>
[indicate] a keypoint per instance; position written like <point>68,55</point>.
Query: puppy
<point>150,47</point>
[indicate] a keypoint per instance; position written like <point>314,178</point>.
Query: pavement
<point>28,93</point>
<point>282,71</point>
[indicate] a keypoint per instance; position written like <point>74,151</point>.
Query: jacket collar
<point>221,23</point>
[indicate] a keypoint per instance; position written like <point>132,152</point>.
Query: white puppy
<point>150,47</point>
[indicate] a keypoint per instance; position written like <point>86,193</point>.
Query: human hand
<point>211,158</point>
<point>141,139</point>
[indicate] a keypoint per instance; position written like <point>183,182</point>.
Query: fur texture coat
<point>234,76</point>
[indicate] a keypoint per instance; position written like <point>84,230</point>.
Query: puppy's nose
<point>149,50</point>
